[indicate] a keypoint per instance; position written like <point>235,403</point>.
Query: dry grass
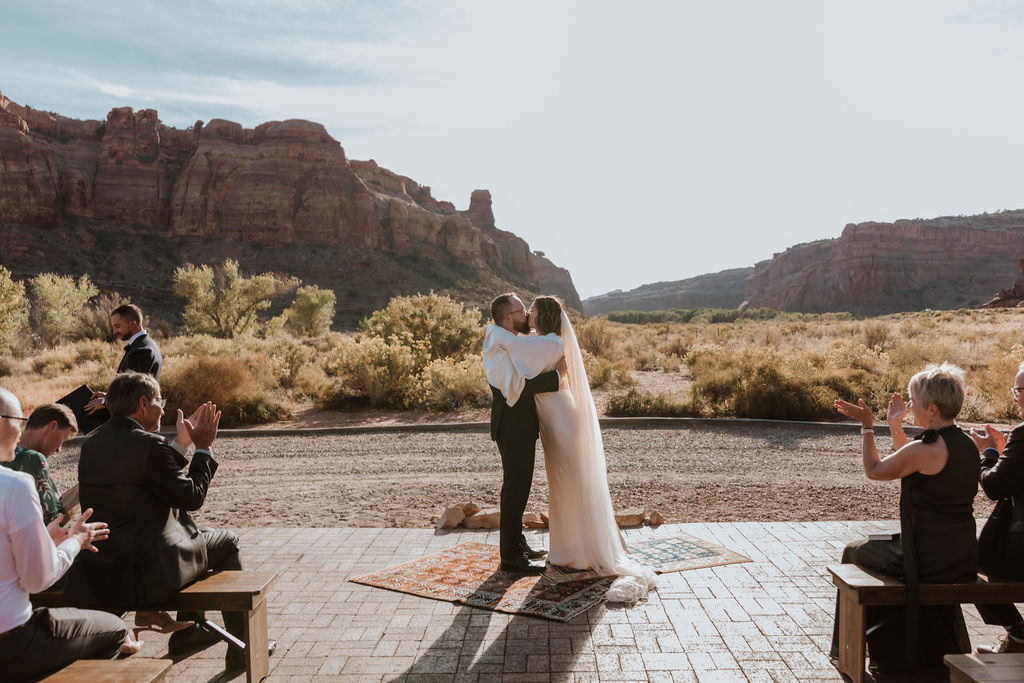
<point>789,365</point>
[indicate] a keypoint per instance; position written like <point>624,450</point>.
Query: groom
<point>515,429</point>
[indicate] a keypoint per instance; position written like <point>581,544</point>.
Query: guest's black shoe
<point>234,660</point>
<point>531,553</point>
<point>521,565</point>
<point>190,639</point>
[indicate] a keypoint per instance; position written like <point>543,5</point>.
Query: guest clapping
<point>938,481</point>
<point>34,643</point>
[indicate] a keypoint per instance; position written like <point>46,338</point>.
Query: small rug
<point>680,552</point>
<point>470,573</point>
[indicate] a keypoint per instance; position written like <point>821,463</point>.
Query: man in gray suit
<point>137,481</point>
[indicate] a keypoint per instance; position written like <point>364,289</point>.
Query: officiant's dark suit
<point>138,484</point>
<point>142,355</point>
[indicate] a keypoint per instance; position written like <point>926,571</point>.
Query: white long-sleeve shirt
<point>29,561</point>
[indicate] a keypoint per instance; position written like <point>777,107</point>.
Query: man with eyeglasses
<point>139,484</point>
<point>1001,544</point>
<point>36,642</point>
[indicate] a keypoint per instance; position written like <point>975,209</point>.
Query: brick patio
<point>767,620</point>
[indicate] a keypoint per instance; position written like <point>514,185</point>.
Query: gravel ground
<point>701,473</point>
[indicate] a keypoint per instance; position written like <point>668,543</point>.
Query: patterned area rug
<point>469,573</point>
<point>681,552</point>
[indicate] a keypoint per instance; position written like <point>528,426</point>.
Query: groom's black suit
<point>516,429</point>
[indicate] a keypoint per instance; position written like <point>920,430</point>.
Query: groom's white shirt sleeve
<point>509,359</point>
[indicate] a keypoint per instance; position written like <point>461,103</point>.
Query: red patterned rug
<point>469,573</point>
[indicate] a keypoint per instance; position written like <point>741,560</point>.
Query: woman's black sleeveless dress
<point>939,539</point>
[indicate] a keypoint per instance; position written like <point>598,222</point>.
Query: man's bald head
<point>10,428</point>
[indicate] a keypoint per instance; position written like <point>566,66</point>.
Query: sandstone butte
<point>281,183</point>
<point>872,268</point>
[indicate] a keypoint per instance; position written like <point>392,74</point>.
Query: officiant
<point>141,354</point>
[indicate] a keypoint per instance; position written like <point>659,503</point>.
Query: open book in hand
<point>884,535</point>
<point>76,400</point>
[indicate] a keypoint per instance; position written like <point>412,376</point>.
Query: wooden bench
<point>1008,666</point>
<point>132,670</point>
<point>860,587</point>
<point>229,591</point>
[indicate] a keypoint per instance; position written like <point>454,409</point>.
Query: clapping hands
<point>897,409</point>
<point>989,437</point>
<point>200,428</point>
<point>859,411</point>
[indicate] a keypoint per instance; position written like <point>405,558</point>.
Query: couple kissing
<point>539,385</point>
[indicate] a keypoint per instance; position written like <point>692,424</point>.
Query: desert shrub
<point>8,366</point>
<point>94,319</point>
<point>379,372</point>
<point>448,384</point>
<point>311,313</point>
<point>227,381</point>
<point>55,361</point>
<point>603,372</point>
<point>596,336</point>
<point>763,389</point>
<point>444,327</point>
<point>57,301</point>
<point>310,383</point>
<point>280,358</point>
<point>636,403</point>
<point>222,302</point>
<point>13,312</point>
<point>876,334</point>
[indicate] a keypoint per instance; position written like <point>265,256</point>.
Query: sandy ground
<point>714,473</point>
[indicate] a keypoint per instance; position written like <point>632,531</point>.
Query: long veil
<point>606,546</point>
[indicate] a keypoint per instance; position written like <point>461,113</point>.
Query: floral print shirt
<point>34,463</point>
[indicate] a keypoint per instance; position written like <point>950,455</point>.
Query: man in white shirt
<point>34,643</point>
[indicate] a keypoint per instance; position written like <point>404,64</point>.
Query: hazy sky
<point>632,142</point>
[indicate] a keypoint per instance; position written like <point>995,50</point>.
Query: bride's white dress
<point>583,533</point>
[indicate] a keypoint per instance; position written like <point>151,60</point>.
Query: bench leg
<point>257,659</point>
<point>852,623</point>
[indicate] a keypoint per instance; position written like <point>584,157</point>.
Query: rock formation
<point>724,289</point>
<point>875,268</point>
<point>281,183</point>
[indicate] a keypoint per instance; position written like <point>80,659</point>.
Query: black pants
<point>53,638</point>
<point>517,458</point>
<point>942,627</point>
<point>221,553</point>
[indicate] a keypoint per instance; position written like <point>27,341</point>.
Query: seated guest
<point>1001,545</point>
<point>938,481</point>
<point>35,643</point>
<point>47,429</point>
<point>138,482</point>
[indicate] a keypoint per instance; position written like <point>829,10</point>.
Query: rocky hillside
<point>725,289</point>
<point>129,198</point>
<point>908,265</point>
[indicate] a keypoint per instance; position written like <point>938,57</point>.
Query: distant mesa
<point>1012,296</point>
<point>281,196</point>
<point>872,268</point>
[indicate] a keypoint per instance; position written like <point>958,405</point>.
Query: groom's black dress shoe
<point>521,565</point>
<point>190,639</point>
<point>532,553</point>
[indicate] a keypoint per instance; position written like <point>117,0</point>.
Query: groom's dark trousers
<point>516,429</point>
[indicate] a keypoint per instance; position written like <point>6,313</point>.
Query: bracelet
<point>867,430</point>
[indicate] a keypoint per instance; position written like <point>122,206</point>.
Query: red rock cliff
<point>284,182</point>
<point>940,263</point>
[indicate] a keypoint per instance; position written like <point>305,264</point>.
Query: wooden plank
<point>69,499</point>
<point>852,637</point>
<point>872,588</point>
<point>1008,666</point>
<point>133,669</point>
<point>257,657</point>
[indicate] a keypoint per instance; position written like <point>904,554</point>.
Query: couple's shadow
<point>470,645</point>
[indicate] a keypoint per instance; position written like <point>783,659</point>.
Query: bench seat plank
<point>1008,666</point>
<point>131,670</point>
<point>872,588</point>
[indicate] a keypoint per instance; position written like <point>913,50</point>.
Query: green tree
<point>13,311</point>
<point>448,329</point>
<point>311,312</point>
<point>94,320</point>
<point>57,301</point>
<point>224,303</point>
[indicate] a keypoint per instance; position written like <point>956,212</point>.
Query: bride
<point>584,539</point>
